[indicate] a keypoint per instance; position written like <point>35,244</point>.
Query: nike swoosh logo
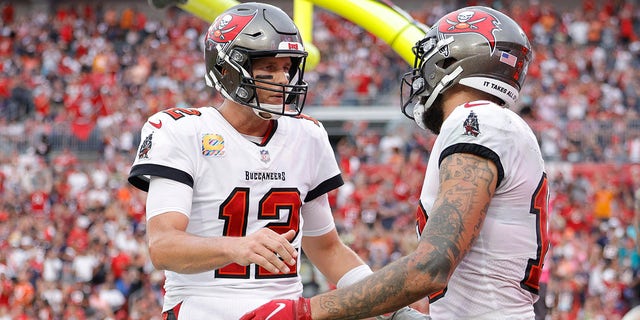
<point>157,125</point>
<point>274,312</point>
<point>471,105</point>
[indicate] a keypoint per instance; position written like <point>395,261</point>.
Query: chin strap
<point>266,115</point>
<point>419,109</point>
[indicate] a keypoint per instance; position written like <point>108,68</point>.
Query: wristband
<point>354,275</point>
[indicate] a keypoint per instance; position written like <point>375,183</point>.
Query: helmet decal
<point>471,20</point>
<point>227,27</point>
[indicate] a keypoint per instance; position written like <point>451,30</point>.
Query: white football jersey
<point>498,278</point>
<point>239,187</point>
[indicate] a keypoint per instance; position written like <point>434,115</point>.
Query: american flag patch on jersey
<point>508,58</point>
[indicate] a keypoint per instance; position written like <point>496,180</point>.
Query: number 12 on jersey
<point>235,213</point>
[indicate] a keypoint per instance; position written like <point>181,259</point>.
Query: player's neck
<point>243,119</point>
<point>457,96</point>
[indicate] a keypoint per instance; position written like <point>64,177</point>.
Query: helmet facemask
<point>294,92</point>
<point>420,91</point>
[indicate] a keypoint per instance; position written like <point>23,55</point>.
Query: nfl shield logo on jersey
<point>264,155</point>
<point>212,145</point>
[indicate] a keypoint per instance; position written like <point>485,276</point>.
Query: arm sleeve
<point>166,195</point>
<point>317,217</point>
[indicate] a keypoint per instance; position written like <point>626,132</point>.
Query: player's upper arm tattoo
<point>467,184</point>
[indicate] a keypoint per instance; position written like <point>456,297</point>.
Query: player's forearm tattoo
<point>365,295</point>
<point>451,229</point>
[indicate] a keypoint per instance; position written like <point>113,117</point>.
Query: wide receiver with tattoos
<point>482,216</point>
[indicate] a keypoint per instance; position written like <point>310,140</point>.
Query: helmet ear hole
<point>446,63</point>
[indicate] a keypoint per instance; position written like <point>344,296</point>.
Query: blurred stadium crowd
<point>72,242</point>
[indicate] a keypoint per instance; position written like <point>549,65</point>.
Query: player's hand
<point>405,313</point>
<point>281,309</point>
<point>267,249</point>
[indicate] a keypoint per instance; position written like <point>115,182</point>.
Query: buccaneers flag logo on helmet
<point>227,27</point>
<point>471,21</point>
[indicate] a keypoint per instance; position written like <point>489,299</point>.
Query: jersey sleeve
<point>168,195</point>
<point>325,170</point>
<point>479,129</point>
<point>166,150</point>
<point>317,217</point>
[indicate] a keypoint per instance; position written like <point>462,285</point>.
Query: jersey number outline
<point>539,207</point>
<point>178,113</point>
<point>235,212</point>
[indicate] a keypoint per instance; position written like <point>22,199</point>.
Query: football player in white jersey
<point>482,215</point>
<point>235,191</point>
